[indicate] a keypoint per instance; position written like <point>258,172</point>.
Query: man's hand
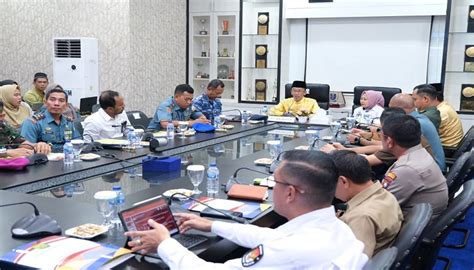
<point>352,138</point>
<point>148,241</point>
<point>19,152</point>
<point>327,148</point>
<point>190,221</point>
<point>42,148</point>
<point>199,120</point>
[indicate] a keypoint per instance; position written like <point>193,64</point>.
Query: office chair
<point>138,119</point>
<point>387,92</point>
<point>78,126</point>
<point>408,239</point>
<point>461,171</point>
<point>436,233</point>
<point>383,260</point>
<point>451,153</point>
<point>318,91</point>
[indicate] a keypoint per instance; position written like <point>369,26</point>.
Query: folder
<point>248,192</point>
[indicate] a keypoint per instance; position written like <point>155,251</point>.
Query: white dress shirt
<point>316,240</point>
<point>100,125</point>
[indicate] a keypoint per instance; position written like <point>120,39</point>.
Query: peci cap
<point>299,84</point>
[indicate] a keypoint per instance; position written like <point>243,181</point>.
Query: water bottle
<point>67,133</point>
<point>118,204</point>
<point>245,118</point>
<point>68,150</point>
<point>69,190</point>
<point>264,110</point>
<point>212,180</point>
<point>217,122</point>
<point>170,130</point>
<point>131,137</point>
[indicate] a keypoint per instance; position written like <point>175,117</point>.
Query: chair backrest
<point>461,171</point>
<point>408,238</point>
<point>318,91</point>
<point>436,233</point>
<point>95,108</point>
<point>465,144</point>
<point>78,126</point>
<point>138,119</point>
<point>387,92</point>
<point>383,260</point>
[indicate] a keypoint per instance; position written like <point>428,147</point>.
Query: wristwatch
<point>3,153</point>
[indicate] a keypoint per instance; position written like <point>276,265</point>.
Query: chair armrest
<point>449,151</point>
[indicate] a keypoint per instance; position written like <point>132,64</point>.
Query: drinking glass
<point>275,148</point>
<point>105,205</point>
<point>182,126</point>
<point>139,137</point>
<point>335,127</point>
<point>77,148</point>
<point>351,121</point>
<point>196,175</point>
<point>311,136</point>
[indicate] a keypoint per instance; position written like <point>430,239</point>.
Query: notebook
<point>136,219</point>
<point>86,104</point>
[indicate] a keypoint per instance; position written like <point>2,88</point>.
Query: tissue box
<point>155,164</point>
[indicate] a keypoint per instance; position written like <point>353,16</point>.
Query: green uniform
<point>433,114</point>
<point>9,135</point>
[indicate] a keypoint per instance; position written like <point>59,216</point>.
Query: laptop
<point>85,105</point>
<point>136,219</point>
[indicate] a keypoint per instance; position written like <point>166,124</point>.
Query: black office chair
<point>78,126</point>
<point>461,171</point>
<point>318,91</point>
<point>383,260</point>
<point>452,153</point>
<point>436,233</point>
<point>387,92</point>
<point>408,239</point>
<point>138,119</point>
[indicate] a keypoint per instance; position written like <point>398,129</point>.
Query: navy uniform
<point>169,110</point>
<point>417,178</point>
<point>42,128</point>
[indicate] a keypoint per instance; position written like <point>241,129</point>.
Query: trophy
<point>469,59</point>
<point>203,30</point>
<point>260,90</point>
<point>261,56</point>
<point>470,20</point>
<point>225,27</point>
<point>203,48</point>
<point>262,25</point>
<point>467,97</point>
<point>225,52</point>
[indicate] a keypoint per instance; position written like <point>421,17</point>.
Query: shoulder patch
<point>38,116</point>
<point>388,179</point>
<point>252,256</point>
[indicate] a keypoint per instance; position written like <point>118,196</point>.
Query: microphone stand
<point>275,163</point>
<point>234,110</point>
<point>233,178</point>
<point>223,213</point>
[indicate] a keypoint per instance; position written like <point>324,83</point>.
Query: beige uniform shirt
<point>293,107</point>
<point>416,178</point>
<point>375,217</point>
<point>450,130</point>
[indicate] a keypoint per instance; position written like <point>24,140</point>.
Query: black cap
<point>40,75</point>
<point>299,84</point>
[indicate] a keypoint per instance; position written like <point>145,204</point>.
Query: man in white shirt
<point>109,121</point>
<point>313,238</point>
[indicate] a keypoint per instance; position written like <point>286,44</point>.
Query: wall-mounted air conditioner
<point>76,67</point>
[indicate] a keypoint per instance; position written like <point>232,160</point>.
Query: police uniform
<point>8,135</point>
<point>42,128</point>
<point>169,110</point>
<point>416,178</point>
<point>315,240</point>
<point>375,217</point>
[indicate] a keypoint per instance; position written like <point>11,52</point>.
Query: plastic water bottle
<point>217,122</point>
<point>67,133</point>
<point>170,130</point>
<point>118,204</point>
<point>264,110</point>
<point>131,137</point>
<point>212,180</point>
<point>68,150</point>
<point>245,118</point>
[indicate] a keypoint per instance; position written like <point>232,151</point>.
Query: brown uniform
<point>416,178</point>
<point>375,217</point>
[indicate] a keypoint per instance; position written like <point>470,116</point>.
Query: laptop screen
<point>86,104</point>
<point>136,218</point>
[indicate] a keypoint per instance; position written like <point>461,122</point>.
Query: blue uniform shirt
<point>210,108</point>
<point>429,131</point>
<point>170,111</point>
<point>45,129</point>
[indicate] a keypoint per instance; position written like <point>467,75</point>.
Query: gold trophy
<point>203,30</point>
<point>261,56</point>
<point>262,25</point>
<point>469,58</point>
<point>260,90</point>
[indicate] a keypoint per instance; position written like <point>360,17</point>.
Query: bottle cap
<point>116,188</point>
<point>212,164</point>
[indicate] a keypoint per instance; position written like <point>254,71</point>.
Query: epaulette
<point>37,117</point>
<point>68,118</point>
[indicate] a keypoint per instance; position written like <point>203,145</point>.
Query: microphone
<point>34,225</point>
<point>275,163</point>
<point>155,143</point>
<point>233,178</point>
<point>234,110</point>
<point>221,212</point>
<point>92,146</point>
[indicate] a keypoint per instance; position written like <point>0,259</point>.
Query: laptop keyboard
<point>190,240</point>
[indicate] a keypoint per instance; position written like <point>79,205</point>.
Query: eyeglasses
<point>288,184</point>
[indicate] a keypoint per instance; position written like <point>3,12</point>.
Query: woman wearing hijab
<point>371,106</point>
<point>15,111</point>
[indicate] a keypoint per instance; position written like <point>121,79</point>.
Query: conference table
<point>66,194</point>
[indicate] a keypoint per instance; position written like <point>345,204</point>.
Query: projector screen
<point>381,51</point>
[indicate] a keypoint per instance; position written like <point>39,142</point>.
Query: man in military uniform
<point>51,126</point>
<point>177,108</point>
<point>414,177</point>
<point>13,144</point>
<point>373,213</point>
<point>423,95</point>
<point>313,237</point>
<point>208,103</point>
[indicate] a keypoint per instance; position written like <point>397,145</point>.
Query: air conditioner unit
<point>76,67</point>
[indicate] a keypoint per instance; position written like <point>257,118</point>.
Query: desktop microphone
<point>34,225</point>
<point>93,146</point>
<point>156,143</point>
<point>233,178</point>
<point>221,213</point>
<point>235,110</point>
<point>275,163</point>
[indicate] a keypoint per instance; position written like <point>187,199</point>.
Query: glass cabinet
<point>260,51</point>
